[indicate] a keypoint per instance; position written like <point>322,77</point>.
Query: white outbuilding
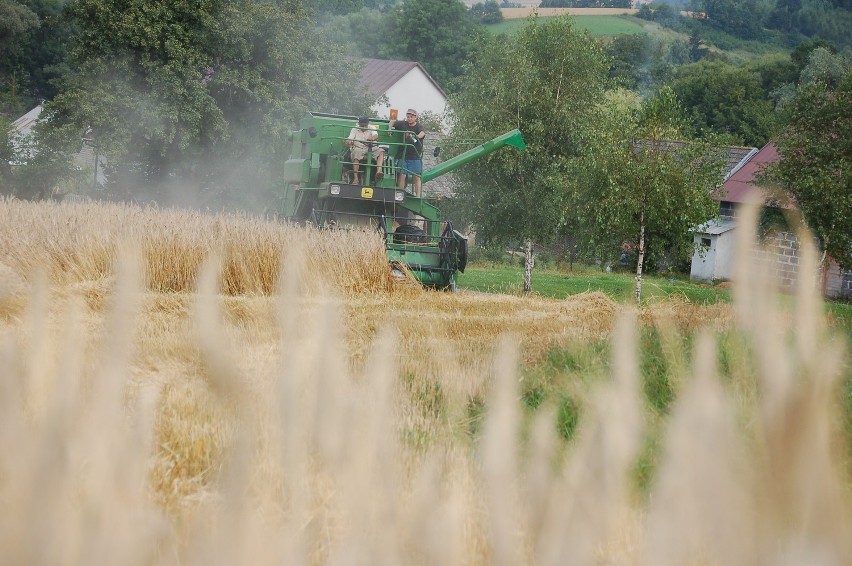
<point>715,245</point>
<point>401,85</point>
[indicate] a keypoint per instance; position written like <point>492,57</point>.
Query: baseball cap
<point>411,111</point>
<point>363,120</point>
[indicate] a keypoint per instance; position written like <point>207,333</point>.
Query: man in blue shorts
<point>413,159</point>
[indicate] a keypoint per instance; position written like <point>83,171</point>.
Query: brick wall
<point>838,283</point>
<point>780,253</point>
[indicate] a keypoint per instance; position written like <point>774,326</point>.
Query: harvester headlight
<point>334,189</point>
<point>399,196</point>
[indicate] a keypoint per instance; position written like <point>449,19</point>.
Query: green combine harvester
<point>417,239</point>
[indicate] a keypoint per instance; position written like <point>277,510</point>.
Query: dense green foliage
<point>486,13</point>
<point>827,19</point>
<point>543,81</point>
<point>644,62</point>
<point>633,185</point>
<point>16,22</point>
<point>33,43</point>
<point>726,100</point>
<point>437,33</point>
<point>739,17</point>
<point>784,22</point>
<point>196,98</point>
<point>816,151</point>
<point>343,7</point>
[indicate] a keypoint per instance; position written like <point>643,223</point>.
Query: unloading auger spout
<point>513,139</point>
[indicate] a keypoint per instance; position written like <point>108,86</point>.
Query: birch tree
<point>544,81</point>
<point>644,182</point>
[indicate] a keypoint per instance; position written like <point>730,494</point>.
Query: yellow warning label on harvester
<point>366,192</point>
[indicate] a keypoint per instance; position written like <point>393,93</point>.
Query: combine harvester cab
<point>317,189</point>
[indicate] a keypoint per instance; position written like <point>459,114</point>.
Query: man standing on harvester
<point>362,140</point>
<point>413,159</point>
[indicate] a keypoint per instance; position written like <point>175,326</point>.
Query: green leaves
<point>437,33</point>
<point>816,151</point>
<point>183,92</point>
<point>639,172</point>
<point>543,81</point>
<point>724,99</point>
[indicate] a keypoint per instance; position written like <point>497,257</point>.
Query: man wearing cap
<point>413,160</point>
<point>360,140</point>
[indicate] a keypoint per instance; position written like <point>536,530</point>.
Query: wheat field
<point>186,389</point>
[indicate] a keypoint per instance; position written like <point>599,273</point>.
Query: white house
<point>86,158</point>
<point>405,84</point>
<point>22,128</point>
<point>780,250</point>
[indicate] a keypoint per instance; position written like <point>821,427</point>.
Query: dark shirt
<point>414,149</point>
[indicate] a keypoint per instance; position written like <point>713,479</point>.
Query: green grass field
<point>598,26</point>
<point>559,284</point>
<point>619,286</point>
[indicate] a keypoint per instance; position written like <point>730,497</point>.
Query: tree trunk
<point>823,268</point>
<point>641,256</point>
<point>528,265</point>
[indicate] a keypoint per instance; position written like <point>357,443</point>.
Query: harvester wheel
<point>409,234</point>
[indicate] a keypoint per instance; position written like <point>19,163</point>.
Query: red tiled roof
<point>741,186</point>
<point>378,75</point>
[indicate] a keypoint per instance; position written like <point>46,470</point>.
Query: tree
<point>638,185</point>
<point>726,100</point>
<point>15,21</point>
<point>742,18</point>
<point>824,67</point>
<point>630,59</point>
<point>782,15</point>
<point>7,154</point>
<point>774,71</point>
<point>661,12</point>
<point>199,96</point>
<point>437,33</point>
<point>486,13</point>
<point>349,31</point>
<point>543,81</point>
<point>697,48</point>
<point>802,53</point>
<point>814,170</point>
<point>821,20</point>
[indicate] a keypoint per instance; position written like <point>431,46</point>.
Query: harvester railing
<point>391,166</point>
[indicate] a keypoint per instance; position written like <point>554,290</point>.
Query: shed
<point>780,251</point>
<point>715,244</point>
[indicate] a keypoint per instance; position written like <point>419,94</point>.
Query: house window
<point>726,210</point>
<point>706,242</point>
